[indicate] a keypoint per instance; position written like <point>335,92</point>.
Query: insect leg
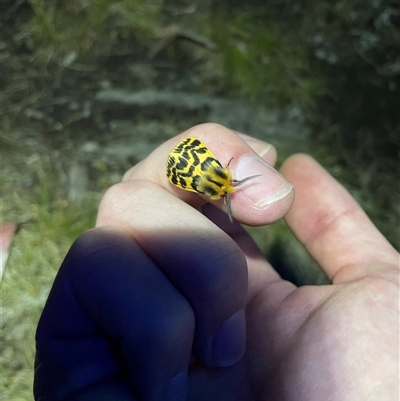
<point>227,201</point>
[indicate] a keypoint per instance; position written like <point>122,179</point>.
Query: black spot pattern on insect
<point>192,166</point>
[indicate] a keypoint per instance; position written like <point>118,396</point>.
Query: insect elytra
<point>193,167</point>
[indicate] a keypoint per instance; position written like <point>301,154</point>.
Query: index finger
<point>332,225</point>
<point>260,201</point>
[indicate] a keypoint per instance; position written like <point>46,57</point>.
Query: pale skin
<point>336,342</point>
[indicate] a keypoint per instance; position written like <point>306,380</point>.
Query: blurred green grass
<point>85,27</point>
<point>50,224</point>
<point>259,62</point>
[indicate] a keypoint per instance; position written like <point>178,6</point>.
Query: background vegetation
<point>335,65</point>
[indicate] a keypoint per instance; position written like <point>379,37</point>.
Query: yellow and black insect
<point>192,167</point>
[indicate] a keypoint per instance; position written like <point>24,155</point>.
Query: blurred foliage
<point>358,43</point>
<point>80,27</point>
<point>50,224</point>
<point>44,40</point>
<point>261,63</point>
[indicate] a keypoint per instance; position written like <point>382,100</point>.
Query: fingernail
<point>176,388</point>
<point>229,343</point>
<point>266,189</point>
<point>264,150</point>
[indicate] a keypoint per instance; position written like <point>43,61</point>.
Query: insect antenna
<point>236,183</point>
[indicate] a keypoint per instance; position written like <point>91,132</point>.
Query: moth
<point>192,166</point>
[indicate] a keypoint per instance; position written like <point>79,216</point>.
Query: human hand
<point>334,342</point>
<point>133,302</point>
